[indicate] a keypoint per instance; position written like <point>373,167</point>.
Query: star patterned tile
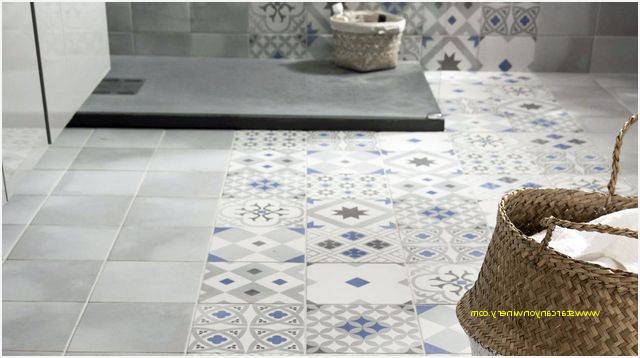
<point>367,283</point>
<point>360,329</point>
<point>445,283</point>
<point>420,162</point>
<point>326,214</point>
<point>256,244</point>
<point>248,329</point>
<point>441,331</point>
<point>241,282</point>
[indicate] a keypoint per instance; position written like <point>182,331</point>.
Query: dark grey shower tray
<point>220,93</point>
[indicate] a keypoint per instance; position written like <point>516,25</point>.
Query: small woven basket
<point>519,273</point>
<point>364,44</point>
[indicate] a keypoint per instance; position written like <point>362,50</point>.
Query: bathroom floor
<point>180,241</point>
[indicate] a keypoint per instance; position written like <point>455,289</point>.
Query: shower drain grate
<point>124,86</point>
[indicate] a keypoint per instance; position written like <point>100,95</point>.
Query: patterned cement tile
<point>428,186</point>
<point>368,283</point>
<point>597,183</point>
<point>356,329</point>
<point>268,161</point>
<point>248,183</point>
<point>436,142</point>
<point>270,212</point>
<point>255,244</point>
<point>441,331</point>
<point>451,211</point>
<point>248,329</point>
<point>241,282</point>
<point>342,141</point>
<point>346,185</point>
<point>441,283</point>
<point>420,162</point>
<point>354,245</point>
<point>329,214</point>
<point>283,141</point>
<point>498,162</point>
<point>360,162</point>
<point>441,246</point>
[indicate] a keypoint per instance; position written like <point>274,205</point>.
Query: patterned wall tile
<point>248,329</point>
<point>341,329</point>
<point>450,53</point>
<point>288,46</point>
<point>276,17</point>
<point>505,53</point>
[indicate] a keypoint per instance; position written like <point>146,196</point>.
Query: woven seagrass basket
<point>362,43</point>
<point>519,273</point>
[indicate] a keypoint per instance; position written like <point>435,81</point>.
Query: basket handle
<point>615,166</point>
<point>551,223</point>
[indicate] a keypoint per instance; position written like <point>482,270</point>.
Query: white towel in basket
<point>612,251</point>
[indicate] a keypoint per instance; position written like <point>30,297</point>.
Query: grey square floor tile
<point>126,281</point>
<point>10,234</point>
<point>99,182</point>
<point>34,182</point>
<point>48,280</point>
<point>57,158</point>
<point>189,184</point>
<point>133,328</point>
<point>64,243</point>
<point>113,159</point>
<point>38,326</point>
<point>138,243</point>
<point>172,212</point>
<point>72,137</point>
<point>125,138</point>
<point>30,353</point>
<point>20,209</point>
<point>209,160</point>
<point>83,210</point>
<point>197,139</point>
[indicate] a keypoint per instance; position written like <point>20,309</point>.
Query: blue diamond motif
<point>490,185</point>
<point>505,65</point>
<point>562,146</point>
<point>495,20</point>
<point>451,20</point>
<point>279,282</point>
<point>361,321</point>
<point>354,253</point>
<point>353,235</point>
<point>378,327</point>
<point>427,253</point>
<point>357,282</point>
<point>347,327</point>
<point>524,20</point>
<point>226,281</point>
<point>278,314</point>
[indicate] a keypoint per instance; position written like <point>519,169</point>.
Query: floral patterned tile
<point>271,212</point>
<point>441,283</point>
<point>363,329</point>
<point>248,329</point>
<point>262,140</point>
<point>437,245</point>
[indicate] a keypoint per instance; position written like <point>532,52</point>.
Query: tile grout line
<point>106,259</point>
<point>404,252</point>
<point>46,197</point>
<point>212,229</point>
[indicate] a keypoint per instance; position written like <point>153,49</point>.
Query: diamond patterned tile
<point>441,331</point>
<point>368,283</point>
<point>248,329</point>
<point>241,282</point>
<point>328,162</point>
<point>268,161</point>
<point>249,244</point>
<point>354,245</point>
<point>357,329</point>
<point>342,141</point>
<point>452,211</point>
